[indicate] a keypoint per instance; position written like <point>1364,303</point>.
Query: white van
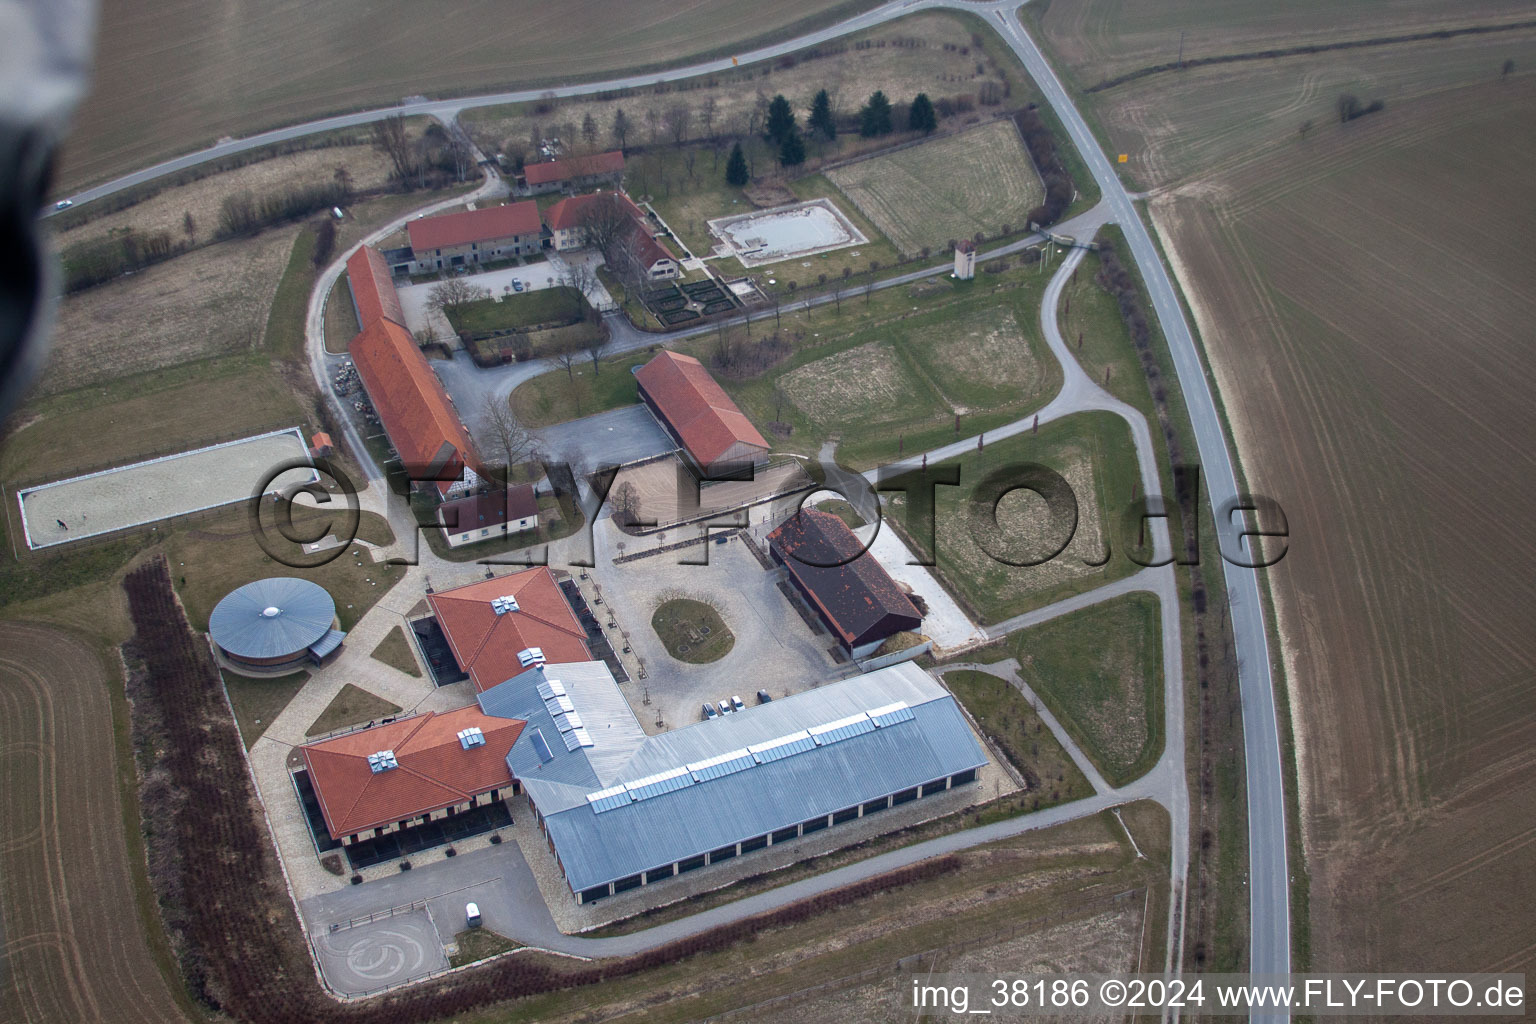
<point>472,914</point>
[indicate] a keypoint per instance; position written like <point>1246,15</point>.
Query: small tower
<point>965,261</point>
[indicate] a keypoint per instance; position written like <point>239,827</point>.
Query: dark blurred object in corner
<point>45,55</point>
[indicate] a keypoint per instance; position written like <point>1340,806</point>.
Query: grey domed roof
<point>272,617</point>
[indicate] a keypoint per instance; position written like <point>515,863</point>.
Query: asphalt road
<point>1268,870</point>
<point>1268,878</point>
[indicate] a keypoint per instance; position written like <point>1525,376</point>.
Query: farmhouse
<point>497,513</point>
<point>491,625</point>
<point>621,809</point>
<point>405,774</point>
<point>852,592</point>
<point>574,172</point>
<point>569,219</point>
<point>418,416</point>
<point>700,416</point>
<point>276,623</point>
<point>471,237</point>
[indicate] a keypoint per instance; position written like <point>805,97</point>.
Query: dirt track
<point>73,945</point>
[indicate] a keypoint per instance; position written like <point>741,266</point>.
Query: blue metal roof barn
<point>273,620</point>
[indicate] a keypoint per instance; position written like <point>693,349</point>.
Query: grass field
<point>166,210</point>
<point>352,706</point>
<point>934,52</point>
<point>1008,721</point>
<point>167,80</point>
<point>395,651</point>
<point>476,944</point>
<point>1100,672</point>
<point>898,384</point>
<point>517,312</point>
<point>692,631</point>
<point>947,189</point>
<point>258,701</point>
<point>209,302</point>
<point>1093,453</point>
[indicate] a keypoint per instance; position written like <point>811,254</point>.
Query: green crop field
<point>951,188</point>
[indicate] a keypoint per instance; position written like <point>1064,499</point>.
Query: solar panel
<point>583,738</point>
<point>557,687</point>
<point>891,714</point>
<point>563,722</point>
<point>541,747</point>
<point>842,729</point>
<point>555,705</point>
<point>722,765</point>
<point>609,799</point>
<point>784,746</point>
<point>546,692</point>
<point>669,781</point>
<point>571,742</point>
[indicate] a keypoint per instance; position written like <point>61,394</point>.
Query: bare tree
<point>594,344</point>
<point>454,294</point>
<point>620,129</point>
<point>690,156</point>
<point>603,223</point>
<point>189,226</point>
<point>707,111</point>
<point>504,436</point>
<point>566,353</point>
<point>390,138</point>
<point>589,130</point>
<point>426,336</point>
<point>779,401</point>
<point>652,116</point>
<point>678,116</point>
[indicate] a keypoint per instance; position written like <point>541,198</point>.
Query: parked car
<point>762,697</point>
<point>709,711</point>
<point>472,914</point>
<point>725,708</point>
<point>737,705</point>
<point>517,285</point>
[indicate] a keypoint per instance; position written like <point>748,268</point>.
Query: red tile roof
<point>697,408</point>
<point>574,167</point>
<point>651,250</point>
<point>420,420</point>
<point>466,226</point>
<point>856,595</point>
<point>567,213</point>
<point>373,288</point>
<point>486,644</point>
<point>434,772</point>
<point>490,509</point>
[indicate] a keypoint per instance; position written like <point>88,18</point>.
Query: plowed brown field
<point>1366,301</point>
<point>74,949</point>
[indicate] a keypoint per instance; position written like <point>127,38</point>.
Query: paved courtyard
<point>380,954</point>
<point>615,437</point>
<point>775,649</point>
